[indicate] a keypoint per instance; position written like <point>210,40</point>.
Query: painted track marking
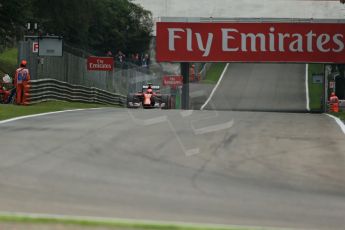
<point>215,88</point>
<point>44,114</point>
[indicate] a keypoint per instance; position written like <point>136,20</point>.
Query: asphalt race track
<point>261,87</point>
<point>224,167</point>
<point>246,168</point>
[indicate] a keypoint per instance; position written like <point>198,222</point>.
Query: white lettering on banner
<point>205,48</point>
<point>253,37</point>
<point>189,40</point>
<point>310,36</point>
<point>258,42</point>
<point>281,41</point>
<point>226,37</point>
<point>172,37</point>
<point>296,45</point>
<point>271,42</point>
<point>338,42</point>
<point>99,65</point>
<point>321,41</point>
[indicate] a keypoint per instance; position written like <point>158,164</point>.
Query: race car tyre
<point>13,96</point>
<point>153,101</point>
<point>172,102</point>
<point>166,101</point>
<point>130,98</point>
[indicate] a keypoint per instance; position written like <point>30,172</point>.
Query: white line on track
<point>307,87</point>
<point>215,88</point>
<point>44,114</point>
<point>338,121</point>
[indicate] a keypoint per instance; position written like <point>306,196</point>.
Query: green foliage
<point>213,74</point>
<point>12,16</point>
<point>9,111</point>
<point>99,25</point>
<point>111,224</point>
<point>341,115</point>
<point>315,90</point>
<point>8,61</point>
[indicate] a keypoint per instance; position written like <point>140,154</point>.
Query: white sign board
<point>50,46</point>
<point>331,84</point>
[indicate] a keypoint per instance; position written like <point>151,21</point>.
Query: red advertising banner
<point>172,80</point>
<point>251,42</point>
<point>100,63</point>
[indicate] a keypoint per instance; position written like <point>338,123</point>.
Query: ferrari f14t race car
<point>150,97</point>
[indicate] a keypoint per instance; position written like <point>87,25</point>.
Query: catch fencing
<point>72,68</point>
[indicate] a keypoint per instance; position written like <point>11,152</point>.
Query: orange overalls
<point>334,103</point>
<point>22,76</point>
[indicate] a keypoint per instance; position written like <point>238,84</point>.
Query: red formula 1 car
<point>149,97</point>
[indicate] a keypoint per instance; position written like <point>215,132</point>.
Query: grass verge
<point>315,90</point>
<point>8,61</point>
<point>108,223</point>
<point>10,111</point>
<point>340,115</point>
<point>213,74</point>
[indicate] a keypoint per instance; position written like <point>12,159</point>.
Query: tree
<point>68,18</point>
<point>13,15</point>
<point>96,25</point>
<point>120,25</point>
<point>99,25</point>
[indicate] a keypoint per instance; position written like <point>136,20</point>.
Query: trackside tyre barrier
<point>50,89</point>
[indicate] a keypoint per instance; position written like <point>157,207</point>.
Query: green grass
<point>10,111</point>
<point>315,90</point>
<point>8,61</point>
<point>116,224</point>
<point>341,115</point>
<point>213,74</point>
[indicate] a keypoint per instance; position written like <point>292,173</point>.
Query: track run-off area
<point>253,157</point>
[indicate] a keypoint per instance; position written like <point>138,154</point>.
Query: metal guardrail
<point>50,89</point>
<point>342,104</point>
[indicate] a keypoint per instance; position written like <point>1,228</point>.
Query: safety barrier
<point>342,104</point>
<point>36,91</point>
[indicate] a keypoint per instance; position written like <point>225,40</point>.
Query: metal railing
<point>51,89</point>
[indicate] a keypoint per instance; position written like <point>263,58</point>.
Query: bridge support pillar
<point>185,87</point>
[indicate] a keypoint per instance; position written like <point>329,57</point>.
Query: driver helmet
<point>6,79</point>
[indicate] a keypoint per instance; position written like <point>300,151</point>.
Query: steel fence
<point>72,68</point>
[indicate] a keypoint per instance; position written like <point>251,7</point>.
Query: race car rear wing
<point>156,87</point>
